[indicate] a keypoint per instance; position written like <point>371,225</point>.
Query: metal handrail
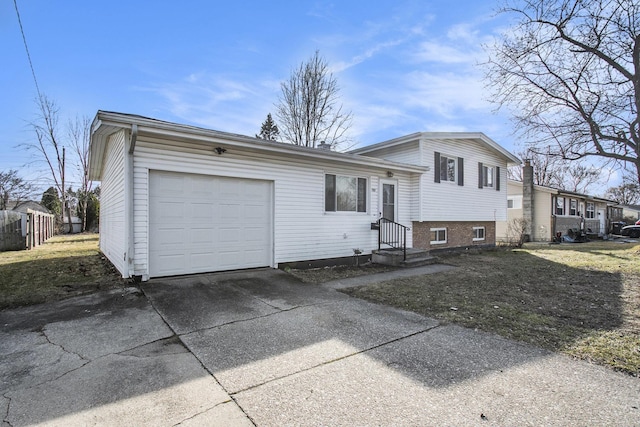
<point>392,234</point>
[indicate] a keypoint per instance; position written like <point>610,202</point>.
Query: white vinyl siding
<point>301,227</point>
<point>437,201</point>
<point>112,203</point>
<point>453,203</point>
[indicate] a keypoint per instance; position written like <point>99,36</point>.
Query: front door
<point>388,200</point>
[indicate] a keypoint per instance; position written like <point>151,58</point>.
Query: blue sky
<point>403,66</point>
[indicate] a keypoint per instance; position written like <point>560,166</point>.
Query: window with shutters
<point>448,169</point>
<point>488,176</point>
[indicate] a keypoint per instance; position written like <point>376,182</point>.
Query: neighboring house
<point>25,205</point>
<point>550,211</point>
<point>179,199</point>
<point>631,212</point>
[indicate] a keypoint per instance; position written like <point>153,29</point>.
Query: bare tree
<point>49,147</point>
<point>570,71</point>
<point>547,169</point>
<point>308,109</point>
<point>550,170</point>
<point>579,178</point>
<point>14,188</point>
<point>80,139</point>
<point>627,193</point>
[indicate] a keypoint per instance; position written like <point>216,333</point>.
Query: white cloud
<point>218,102</point>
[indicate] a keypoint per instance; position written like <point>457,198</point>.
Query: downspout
<point>129,200</point>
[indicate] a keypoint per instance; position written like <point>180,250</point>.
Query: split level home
<point>550,211</point>
<point>178,199</point>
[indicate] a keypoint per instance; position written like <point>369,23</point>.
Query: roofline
<point>107,122</point>
<point>476,136</point>
<point>565,192</point>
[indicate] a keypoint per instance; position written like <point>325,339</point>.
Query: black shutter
<point>497,178</point>
<point>436,167</point>
<point>460,171</point>
<point>480,177</point>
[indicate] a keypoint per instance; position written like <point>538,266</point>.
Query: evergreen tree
<point>51,201</point>
<point>269,130</point>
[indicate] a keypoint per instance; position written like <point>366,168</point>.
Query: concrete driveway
<point>261,348</point>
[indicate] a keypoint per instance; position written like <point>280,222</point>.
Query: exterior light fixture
<point>390,174</point>
<point>220,150</point>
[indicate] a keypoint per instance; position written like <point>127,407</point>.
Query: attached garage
<point>178,199</point>
<point>201,223</point>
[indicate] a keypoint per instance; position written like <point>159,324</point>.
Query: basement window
<point>438,236</point>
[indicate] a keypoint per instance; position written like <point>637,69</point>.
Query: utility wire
<point>26,48</point>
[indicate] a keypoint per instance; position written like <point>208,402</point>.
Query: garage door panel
<point>208,223</point>
<point>202,236</point>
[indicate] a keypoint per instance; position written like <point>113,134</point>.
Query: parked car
<point>631,230</point>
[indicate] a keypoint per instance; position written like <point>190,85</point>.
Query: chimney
<point>324,146</point>
<point>527,197</point>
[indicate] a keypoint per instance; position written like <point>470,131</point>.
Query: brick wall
<point>459,234</point>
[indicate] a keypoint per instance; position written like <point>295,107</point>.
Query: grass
<point>64,266</point>
<point>582,299</point>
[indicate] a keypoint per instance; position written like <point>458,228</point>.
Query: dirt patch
<point>327,274</point>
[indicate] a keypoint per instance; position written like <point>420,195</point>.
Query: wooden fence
<point>20,230</point>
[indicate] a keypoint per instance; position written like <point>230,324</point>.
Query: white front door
<point>602,216</point>
<point>389,199</point>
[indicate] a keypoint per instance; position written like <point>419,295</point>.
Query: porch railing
<point>392,234</point>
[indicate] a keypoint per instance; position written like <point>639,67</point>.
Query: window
<point>573,207</point>
<point>478,233</point>
<point>559,205</point>
<point>591,210</point>
<point>345,194</point>
<point>438,236</point>
<point>487,176</point>
<point>514,202</point>
<point>447,169</point>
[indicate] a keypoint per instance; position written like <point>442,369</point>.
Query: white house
<point>179,199</point>
<point>460,199</point>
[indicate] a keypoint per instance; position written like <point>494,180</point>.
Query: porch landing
<point>394,257</point>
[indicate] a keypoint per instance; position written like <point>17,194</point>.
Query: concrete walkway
<point>261,348</point>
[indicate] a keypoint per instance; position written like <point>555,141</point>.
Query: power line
<point>26,48</point>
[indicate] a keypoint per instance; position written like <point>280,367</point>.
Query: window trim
<point>483,175</point>
<point>358,203</point>
<point>556,206</point>
<point>573,207</point>
<point>488,171</point>
<point>458,164</point>
<point>590,214</point>
<point>437,230</point>
<point>484,234</point>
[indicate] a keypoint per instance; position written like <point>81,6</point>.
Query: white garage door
<point>200,223</point>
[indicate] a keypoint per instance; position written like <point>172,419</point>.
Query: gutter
<point>129,200</point>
